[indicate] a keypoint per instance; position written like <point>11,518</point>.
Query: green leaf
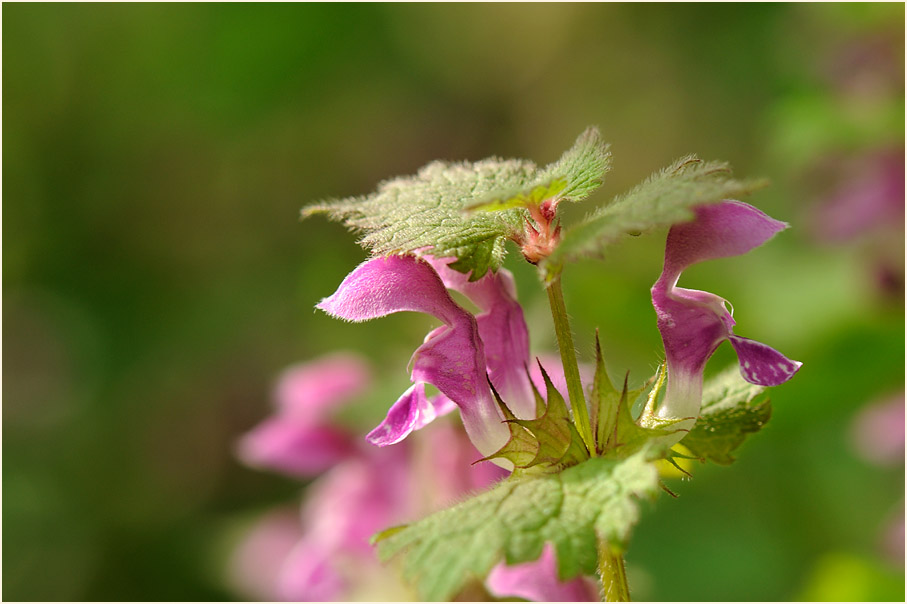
<point>428,211</point>
<point>559,442</point>
<point>616,433</point>
<point>732,408</point>
<point>548,443</point>
<point>605,403</point>
<point>522,447</point>
<point>597,499</point>
<point>583,166</point>
<point>522,199</point>
<point>663,199</point>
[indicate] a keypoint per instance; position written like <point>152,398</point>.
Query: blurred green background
<point>156,277</point>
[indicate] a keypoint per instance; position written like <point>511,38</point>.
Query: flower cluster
<point>323,554</point>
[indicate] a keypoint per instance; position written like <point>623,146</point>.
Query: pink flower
<point>459,357</point>
<point>878,431</point>
<point>323,554</point>
<point>300,439</point>
<point>693,323</point>
<point>255,565</point>
<point>330,558</point>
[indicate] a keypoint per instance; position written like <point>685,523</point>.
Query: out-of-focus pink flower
<point>867,208</point>
<point>323,553</point>
<point>300,439</point>
<point>878,431</point>
<point>870,198</point>
<point>257,563</point>
<point>343,509</point>
<point>694,323</point>
<point>537,581</point>
<point>331,559</point>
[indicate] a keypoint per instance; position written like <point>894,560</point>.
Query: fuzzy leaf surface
<point>732,409</point>
<point>427,212</point>
<point>661,200</point>
<point>513,521</point>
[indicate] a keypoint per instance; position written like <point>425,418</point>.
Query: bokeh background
<point>156,277</point>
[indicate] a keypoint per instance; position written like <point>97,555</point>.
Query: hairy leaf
<point>427,212</point>
<point>597,499</point>
<point>521,198</point>
<point>583,166</point>
<point>732,408</point>
<point>663,199</point>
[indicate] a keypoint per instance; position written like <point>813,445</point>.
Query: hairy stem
<point>568,358</point>
<point>613,574</point>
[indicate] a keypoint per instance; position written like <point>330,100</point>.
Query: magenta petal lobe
<point>404,416</point>
<point>761,364</point>
<point>453,360</point>
<point>281,444</point>
<point>308,390</point>
<point>721,230</point>
<point>382,286</point>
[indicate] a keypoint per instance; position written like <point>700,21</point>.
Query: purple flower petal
<point>256,563</point>
<point>307,390</point>
<point>299,439</point>
<point>383,286</point>
<point>720,230</point>
<point>411,412</point>
<point>452,360</point>
<point>761,364</point>
<point>283,444</point>
<point>452,357</point>
<point>502,329</point>
<point>537,582</point>
<point>692,325</point>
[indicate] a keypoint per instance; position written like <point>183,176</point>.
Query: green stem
<point>568,358</point>
<point>613,574</point>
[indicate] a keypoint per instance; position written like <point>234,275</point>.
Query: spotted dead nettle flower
<point>693,323</point>
<point>457,358</point>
